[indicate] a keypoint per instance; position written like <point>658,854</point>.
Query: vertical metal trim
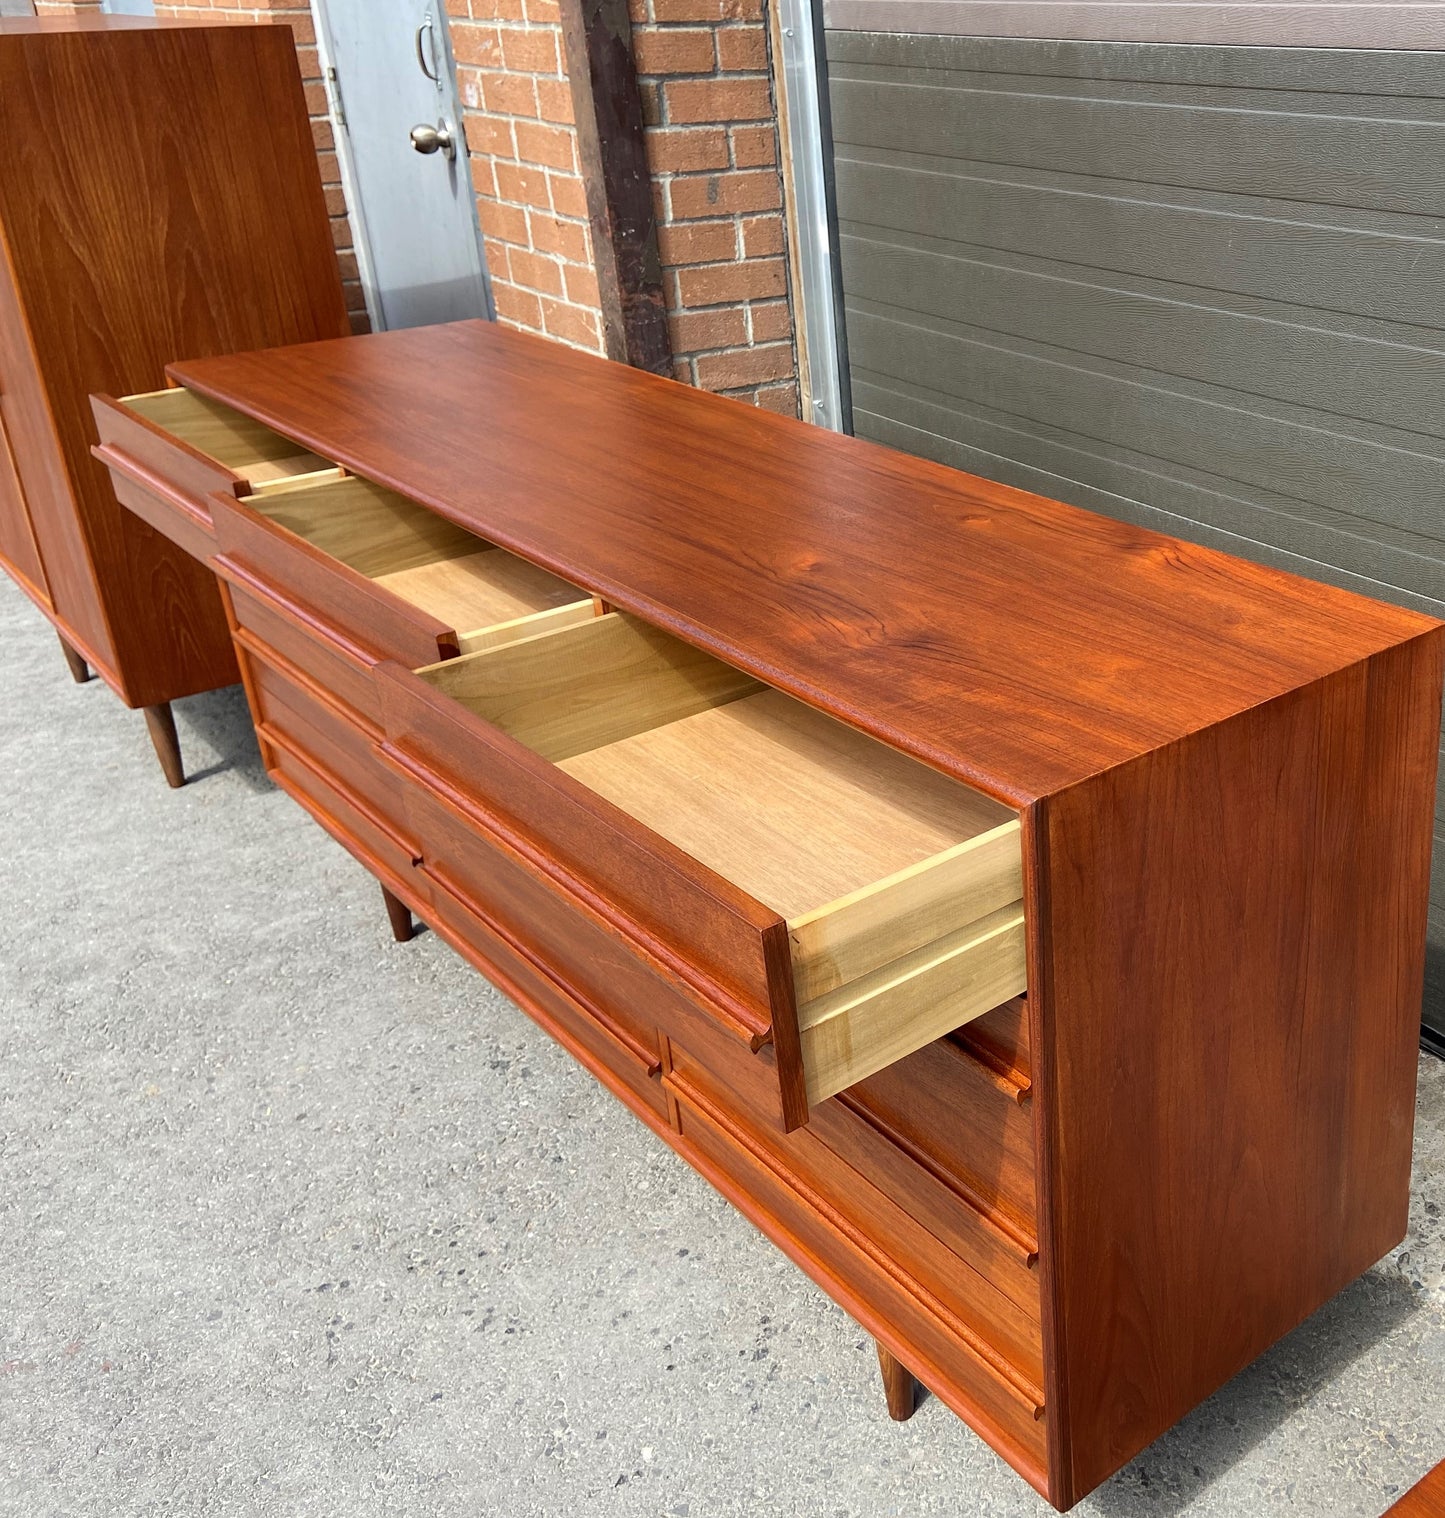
<point>809,147</point>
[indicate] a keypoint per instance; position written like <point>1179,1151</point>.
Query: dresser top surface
<point>1017,643</point>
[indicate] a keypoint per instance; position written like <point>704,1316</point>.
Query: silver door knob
<point>434,139</point>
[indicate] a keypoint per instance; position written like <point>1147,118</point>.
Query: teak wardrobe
<point>159,195</point>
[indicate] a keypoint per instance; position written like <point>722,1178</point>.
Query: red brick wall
<point>706,79</point>
<point>713,147</point>
<point>531,202</point>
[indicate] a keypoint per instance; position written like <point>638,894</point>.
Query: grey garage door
<point>1198,287</point>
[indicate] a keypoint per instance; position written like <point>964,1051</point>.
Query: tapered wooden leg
<point>79,670</point>
<point>898,1386</point>
<point>402,927</point>
<point>162,726</point>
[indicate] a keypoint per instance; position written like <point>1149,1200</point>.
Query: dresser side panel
<point>1231,966</point>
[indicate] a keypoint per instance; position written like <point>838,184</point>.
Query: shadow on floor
<point>1183,1462</point>
<point>219,722</point>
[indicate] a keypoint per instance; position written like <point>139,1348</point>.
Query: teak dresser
<point>159,194</point>
<point>1019,916</point>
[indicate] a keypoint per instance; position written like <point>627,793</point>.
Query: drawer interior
<point>486,594</point>
<point>901,887</point>
<point>246,447</point>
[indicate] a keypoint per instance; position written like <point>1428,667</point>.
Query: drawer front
<point>334,599</point>
<point>274,629</point>
<point>177,477</point>
<point>969,1126</point>
<point>184,519</point>
<point>323,732</point>
<point>611,1041</point>
<point>994,1397</point>
<point>726,956</point>
<point>306,778</point>
<point>479,871</point>
<point>997,1310</point>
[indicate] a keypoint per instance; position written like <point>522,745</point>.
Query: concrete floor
<point>298,1221</point>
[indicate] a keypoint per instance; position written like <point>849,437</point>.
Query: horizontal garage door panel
<point>1198,288</point>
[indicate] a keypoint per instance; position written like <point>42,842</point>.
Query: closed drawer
<point>628,1068</point>
<point>287,705</point>
<point>479,879</point>
<point>382,577</point>
<point>169,450</point>
<point>272,626</point>
<point>994,1297</point>
<point>960,1120</point>
<point>813,889</point>
<point>300,769</point>
<point>958,1158</point>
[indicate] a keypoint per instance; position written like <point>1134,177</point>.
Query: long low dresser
<point>1017,915</point>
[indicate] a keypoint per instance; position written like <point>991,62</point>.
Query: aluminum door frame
<point>807,150</point>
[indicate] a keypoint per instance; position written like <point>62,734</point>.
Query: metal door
<point>1190,283</point>
<point>404,160</point>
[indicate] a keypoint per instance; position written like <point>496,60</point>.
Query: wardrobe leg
<point>79,669</point>
<point>162,726</point>
<point>402,927</point>
<point>898,1386</point>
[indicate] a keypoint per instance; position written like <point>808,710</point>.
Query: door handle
<point>428,30</point>
<point>434,139</point>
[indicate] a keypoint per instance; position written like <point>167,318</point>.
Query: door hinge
<point>333,96</point>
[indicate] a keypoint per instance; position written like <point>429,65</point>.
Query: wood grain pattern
<point>874,1021</point>
<point>355,610</point>
<point>120,254</point>
<point>895,914</point>
<point>374,531</point>
<point>529,626</point>
<point>479,590</point>
<point>1252,1014</point>
<point>1223,779</point>
<point>1426,1499</point>
<point>714,941</point>
<point>793,807</point>
<point>1017,644</point>
<point>585,687</point>
<point>243,445</point>
<point>18,551</point>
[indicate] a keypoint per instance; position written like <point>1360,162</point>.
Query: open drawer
<point>365,574</point>
<point>808,886</point>
<point>170,449</point>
